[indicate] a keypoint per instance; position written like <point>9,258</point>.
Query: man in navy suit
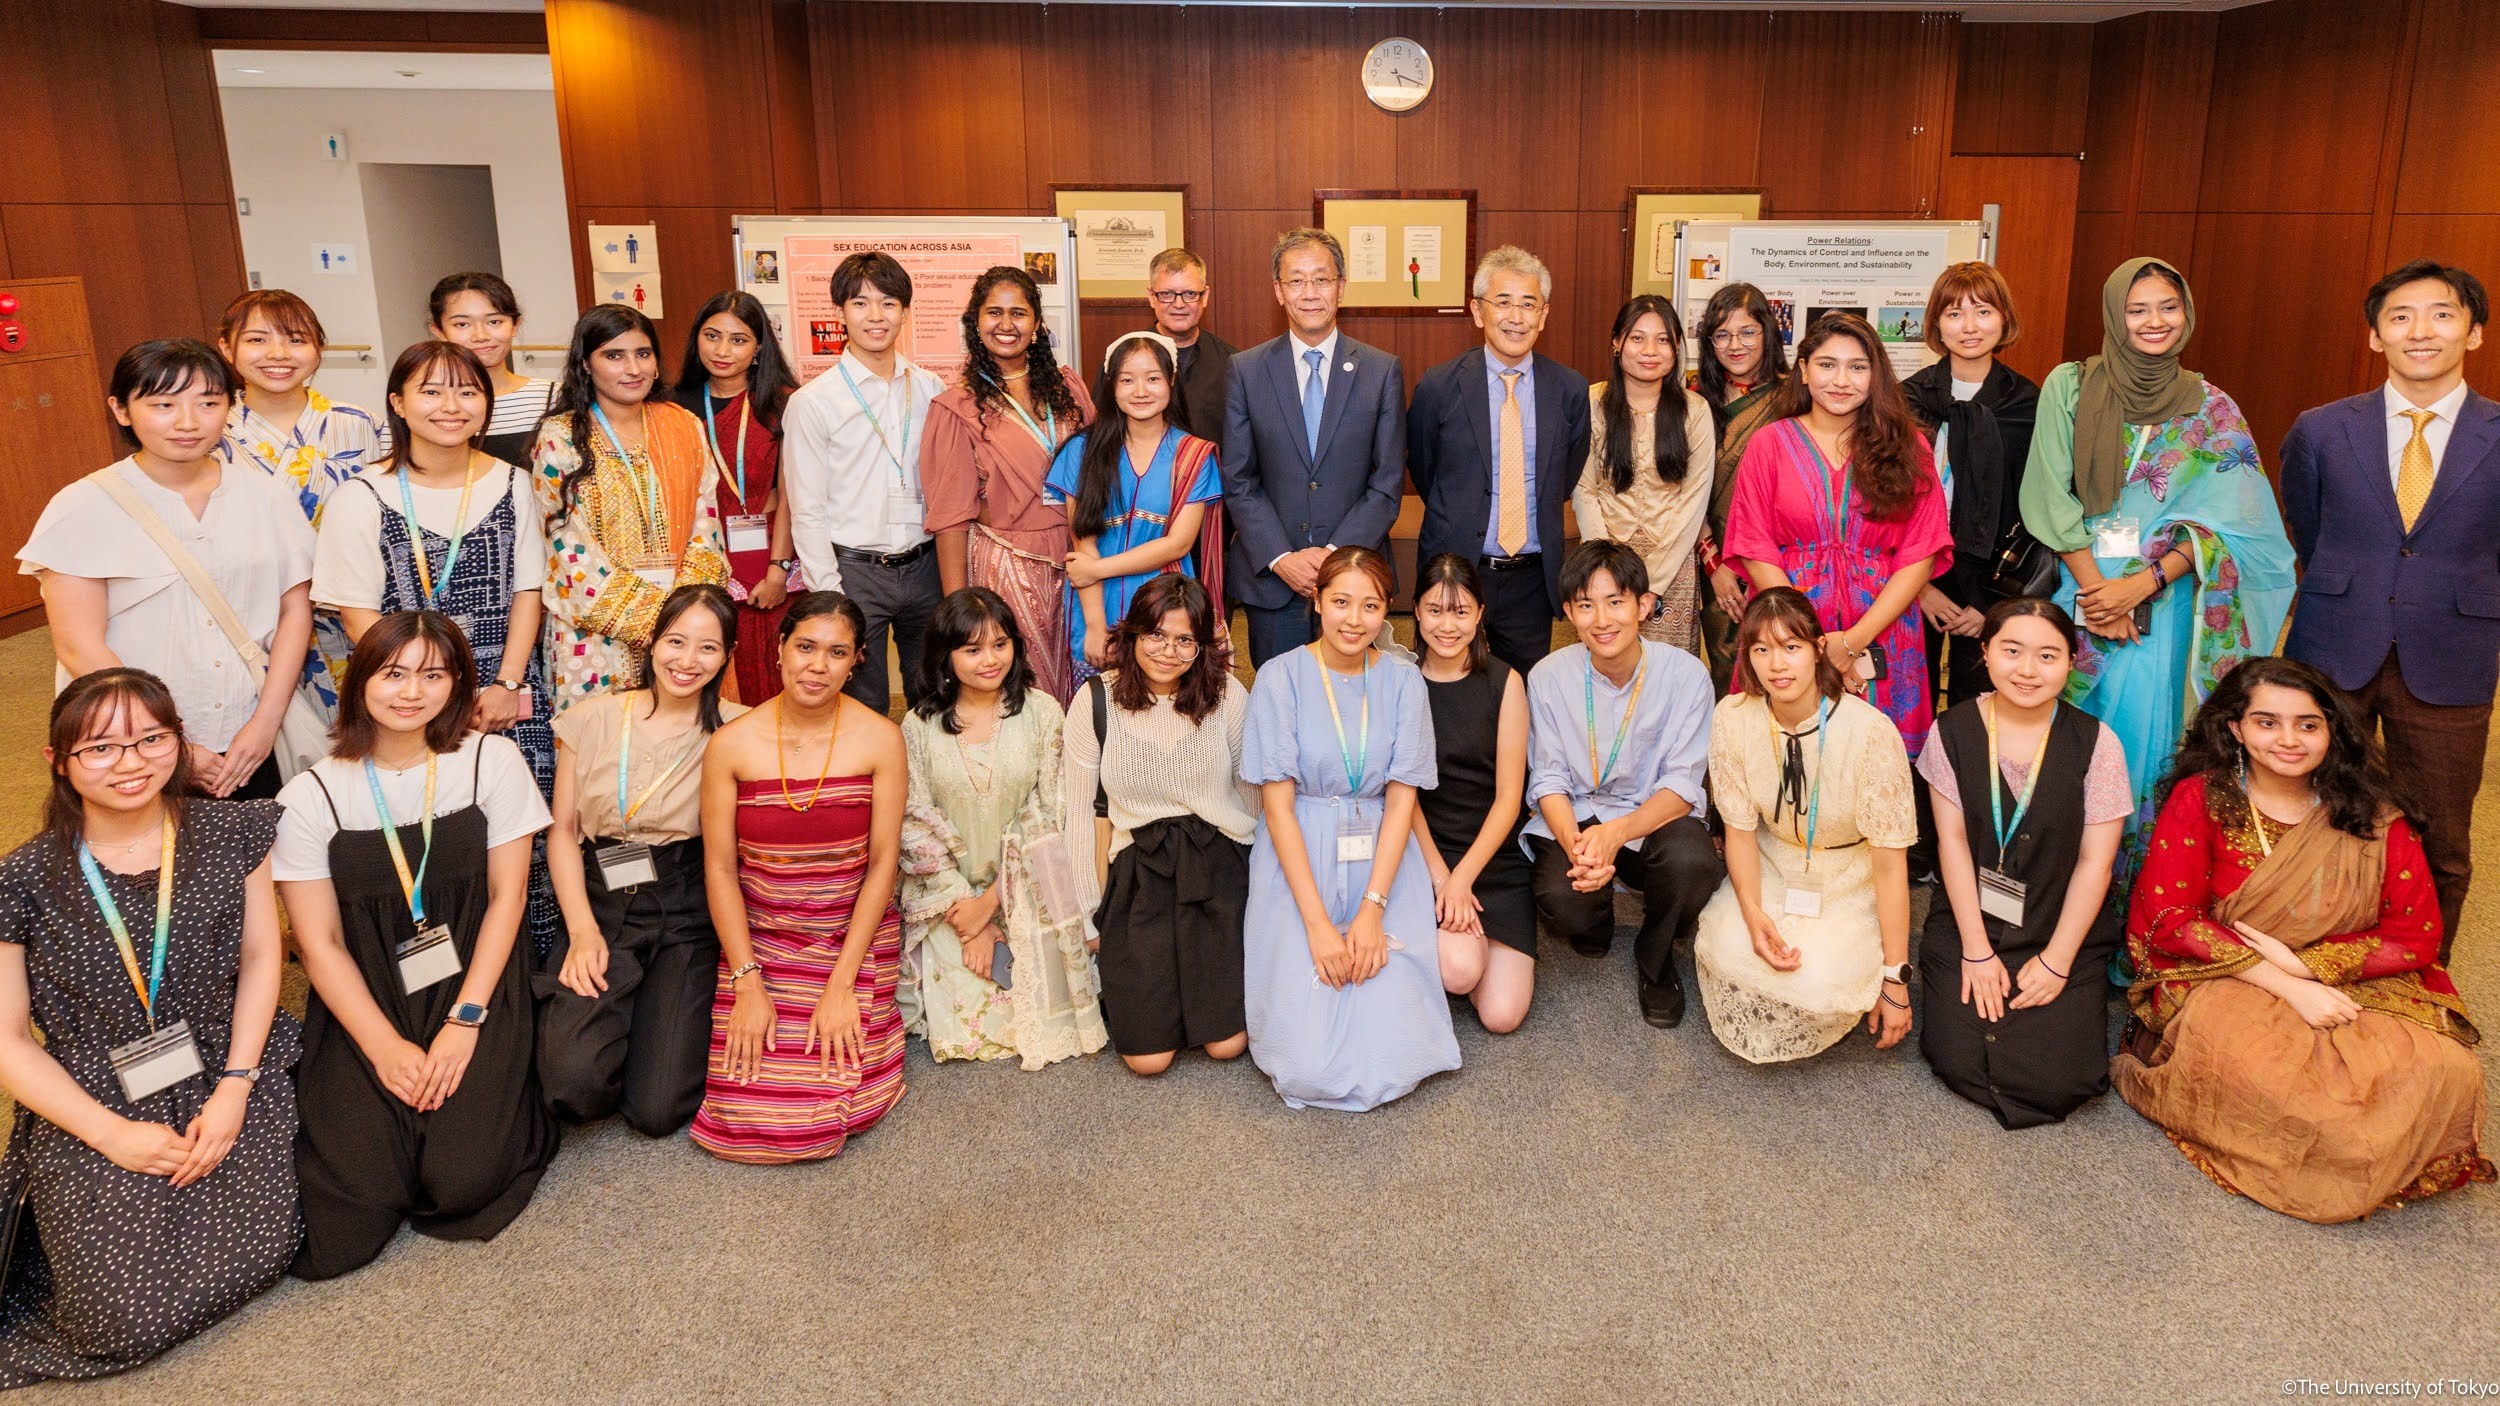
<point>1314,451</point>
<point>1495,441</point>
<point>2393,500</point>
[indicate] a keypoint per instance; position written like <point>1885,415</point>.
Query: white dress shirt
<point>2434,433</point>
<point>1327,350</point>
<point>845,453</point>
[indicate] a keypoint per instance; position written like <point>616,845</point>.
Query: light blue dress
<point>1141,510</point>
<point>1361,1046</point>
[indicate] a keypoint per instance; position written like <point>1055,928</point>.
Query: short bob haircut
<point>1981,283</point>
<point>1783,610</point>
<point>353,736</point>
<point>166,367</point>
<point>449,362</point>
<point>91,704</point>
<point>1451,572</point>
<point>1200,690</point>
<point>1304,238</point>
<point>872,268</point>
<point>714,601</point>
<point>2467,287</point>
<point>2037,607</point>
<point>1615,559</point>
<point>277,307</point>
<point>1384,577</point>
<point>957,622</point>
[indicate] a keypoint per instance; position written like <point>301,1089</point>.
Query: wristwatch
<point>787,565</point>
<point>1898,972</point>
<point>1380,898</point>
<point>248,1076</point>
<point>468,1014</point>
<point>520,685</point>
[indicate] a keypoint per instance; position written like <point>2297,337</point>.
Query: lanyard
<point>624,753</point>
<point>1357,760</point>
<point>879,426</point>
<point>147,986</point>
<point>1996,787</point>
<point>1814,792</point>
<point>711,430</point>
<point>646,484</point>
<point>1050,440</point>
<point>412,886</point>
<point>1836,511</point>
<point>1588,699</point>
<point>416,537</point>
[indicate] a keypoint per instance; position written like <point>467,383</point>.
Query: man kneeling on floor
<point>1618,745</point>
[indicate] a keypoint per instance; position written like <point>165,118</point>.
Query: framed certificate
<point>1650,215</point>
<point>1119,229</point>
<point>1407,252</point>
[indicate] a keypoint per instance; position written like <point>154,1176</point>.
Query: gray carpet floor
<point>1588,1210</point>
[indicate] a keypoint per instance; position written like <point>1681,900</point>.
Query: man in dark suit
<point>2393,500</point>
<point>1177,288</point>
<point>1314,448</point>
<point>1495,442</point>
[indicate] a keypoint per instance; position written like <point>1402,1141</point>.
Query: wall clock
<point>1397,75</point>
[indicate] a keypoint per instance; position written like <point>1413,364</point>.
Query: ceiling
<point>379,69</point>
<point>2071,11</point>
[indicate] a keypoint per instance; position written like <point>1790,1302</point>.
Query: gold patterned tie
<point>2413,472</point>
<point>1510,530</point>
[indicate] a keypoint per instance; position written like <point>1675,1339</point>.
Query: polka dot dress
<point>110,1268</point>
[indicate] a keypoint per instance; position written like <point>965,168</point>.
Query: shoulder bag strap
<point>195,575</point>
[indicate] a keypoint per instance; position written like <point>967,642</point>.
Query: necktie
<point>1510,530</point>
<point>1314,400</point>
<point>2413,472</point>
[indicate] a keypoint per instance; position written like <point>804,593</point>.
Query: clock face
<point>1397,75</point>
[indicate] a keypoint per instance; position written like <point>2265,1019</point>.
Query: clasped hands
<point>2324,1007</point>
<point>1352,956</point>
<point>975,921</point>
<point>2108,605</point>
<point>1593,851</point>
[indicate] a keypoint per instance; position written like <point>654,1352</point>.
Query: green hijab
<point>2126,386</point>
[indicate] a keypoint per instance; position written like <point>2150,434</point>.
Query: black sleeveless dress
<point>365,1160</point>
<point>1466,732</point>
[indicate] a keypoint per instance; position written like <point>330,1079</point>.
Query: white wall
<point>299,199</point>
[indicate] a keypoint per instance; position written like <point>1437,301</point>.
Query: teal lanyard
<point>1357,759</point>
<point>1996,785</point>
<point>1588,700</point>
<point>1050,441</point>
<point>1836,511</point>
<point>711,431</point>
<point>112,911</point>
<point>646,484</point>
<point>900,472</point>
<point>459,524</point>
<point>413,887</point>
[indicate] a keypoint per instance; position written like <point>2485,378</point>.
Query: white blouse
<point>505,791</point>
<point>252,541</point>
<point>348,570</point>
<point>1162,766</point>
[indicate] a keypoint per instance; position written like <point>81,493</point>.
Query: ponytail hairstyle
<point>714,601</point>
<point>1099,470</point>
<point>1672,451</point>
<point>982,377</point>
<point>1884,451</point>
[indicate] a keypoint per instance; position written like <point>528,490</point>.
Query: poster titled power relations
<point>1879,271</point>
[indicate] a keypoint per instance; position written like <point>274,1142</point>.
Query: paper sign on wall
<point>625,249</point>
<point>640,291</point>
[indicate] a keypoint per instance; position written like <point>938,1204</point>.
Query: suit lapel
<point>1550,413</point>
<point>1280,374</point>
<point>2470,447</point>
<point>2368,439</point>
<point>1477,402</point>
<point>1340,394</point>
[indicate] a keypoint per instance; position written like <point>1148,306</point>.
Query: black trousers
<point>1675,869</point>
<point>1518,619</point>
<point>896,600</point>
<point>638,1047</point>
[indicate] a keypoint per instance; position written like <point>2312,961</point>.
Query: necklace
<point>1015,375</point>
<point>119,849</point>
<point>783,765</point>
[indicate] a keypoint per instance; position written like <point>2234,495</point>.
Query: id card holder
<point>2118,539</point>
<point>626,863</point>
<point>750,532</point>
<point>427,958</point>
<point>158,1061</point>
<point>663,578</point>
<point>1354,841</point>
<point>1804,899</point>
<point>905,510</point>
<point>2001,896</point>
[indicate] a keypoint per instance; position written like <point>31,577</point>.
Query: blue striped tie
<point>1314,400</point>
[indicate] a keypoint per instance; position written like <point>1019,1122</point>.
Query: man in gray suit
<point>1314,448</point>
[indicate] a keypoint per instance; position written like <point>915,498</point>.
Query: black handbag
<point>2024,567</point>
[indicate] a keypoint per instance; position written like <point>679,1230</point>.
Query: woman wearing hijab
<point>2145,482</point>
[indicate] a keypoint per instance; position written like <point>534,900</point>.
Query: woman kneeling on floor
<point>2294,1032</point>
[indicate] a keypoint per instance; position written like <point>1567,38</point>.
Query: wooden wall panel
<point>1886,72</point>
<point>926,103</point>
<point>2276,350</point>
<point>1696,82</point>
<point>2144,135</point>
<point>1474,132</point>
<point>2464,241</point>
<point>1125,99</point>
<point>2036,242</point>
<point>2022,89</point>
<point>797,170</point>
<point>1295,117</point>
<point>89,106</point>
<point>165,301</point>
<point>2453,131</point>
<point>2285,133</point>
<point>664,102</point>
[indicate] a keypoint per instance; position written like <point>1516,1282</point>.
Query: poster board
<point>1878,269</point>
<point>1406,251</point>
<point>1651,215</point>
<point>787,262</point>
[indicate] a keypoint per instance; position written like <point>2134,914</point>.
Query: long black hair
<point>1728,301</point>
<point>714,601</point>
<point>957,622</point>
<point>982,377</point>
<point>1457,573</point>
<point>2353,785</point>
<point>769,381</point>
<point>1673,451</point>
<point>1099,469</point>
<point>575,396</point>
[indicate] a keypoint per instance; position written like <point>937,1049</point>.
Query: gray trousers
<point>897,601</point>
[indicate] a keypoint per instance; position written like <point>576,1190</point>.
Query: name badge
<point>156,1062</point>
<point>1802,901</point>
<point>661,577</point>
<point>2001,897</point>
<point>626,863</point>
<point>905,510</point>
<point>2118,538</point>
<point>750,532</point>
<point>1353,848</point>
<point>427,958</point>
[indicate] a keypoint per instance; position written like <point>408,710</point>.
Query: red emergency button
<point>12,335</point>
<point>8,305</point>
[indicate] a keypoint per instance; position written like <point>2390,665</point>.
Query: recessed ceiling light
<point>406,72</point>
<point>251,70</point>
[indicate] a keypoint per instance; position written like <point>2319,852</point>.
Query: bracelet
<point>2043,960</point>
<point>1887,1000</point>
<point>1981,961</point>
<point>738,972</point>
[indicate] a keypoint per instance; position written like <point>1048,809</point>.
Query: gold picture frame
<point>1118,229</point>
<point>1651,213</point>
<point>1409,253</point>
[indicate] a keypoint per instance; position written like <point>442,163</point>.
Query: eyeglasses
<point>1178,297</point>
<point>1509,305</point>
<point>1751,336</point>
<point>1177,646</point>
<point>1310,285</point>
<point>154,747</point>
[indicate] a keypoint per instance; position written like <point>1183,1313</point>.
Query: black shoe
<point>1662,1004</point>
<point>1596,948</point>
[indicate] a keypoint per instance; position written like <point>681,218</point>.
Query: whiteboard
<point>1879,269</point>
<point>787,262</point>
